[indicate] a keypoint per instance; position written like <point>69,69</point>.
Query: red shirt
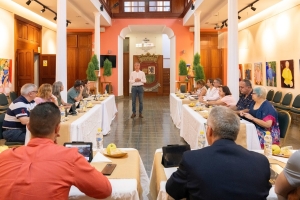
<point>44,170</point>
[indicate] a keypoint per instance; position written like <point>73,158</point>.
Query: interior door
<point>47,68</point>
<point>24,68</point>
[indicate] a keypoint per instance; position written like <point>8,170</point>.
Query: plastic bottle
<point>201,140</point>
<point>99,140</point>
<point>268,144</point>
<point>62,115</point>
<point>209,109</point>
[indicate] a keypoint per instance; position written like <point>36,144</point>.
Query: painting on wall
<point>151,69</point>
<point>258,76</point>
<point>240,72</point>
<point>247,71</point>
<point>5,75</point>
<point>287,73</point>
<point>271,73</point>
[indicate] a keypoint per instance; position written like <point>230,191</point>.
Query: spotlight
<point>115,5</point>
<point>43,10</point>
<point>217,27</point>
<point>28,2</point>
<point>222,25</point>
<point>252,8</point>
<point>55,18</point>
<point>101,7</point>
<point>226,24</point>
<point>239,17</point>
<point>192,6</point>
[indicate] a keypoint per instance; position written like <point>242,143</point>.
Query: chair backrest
<point>277,97</point>
<point>3,100</point>
<point>296,102</point>
<point>1,123</point>
<point>286,101</point>
<point>13,96</point>
<point>270,95</point>
<point>183,88</point>
<point>284,120</point>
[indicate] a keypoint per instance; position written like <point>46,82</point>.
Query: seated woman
<point>201,89</point>
<point>263,115</point>
<point>86,89</point>
<point>226,99</point>
<point>45,94</point>
<point>57,87</point>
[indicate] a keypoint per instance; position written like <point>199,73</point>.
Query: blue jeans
<point>14,135</point>
<point>137,91</point>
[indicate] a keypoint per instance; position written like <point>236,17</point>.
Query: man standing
<point>75,93</point>
<point>137,79</point>
<point>17,115</point>
<point>245,100</point>
<point>44,170</point>
<point>223,170</point>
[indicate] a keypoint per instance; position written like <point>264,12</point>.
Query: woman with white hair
<point>263,115</point>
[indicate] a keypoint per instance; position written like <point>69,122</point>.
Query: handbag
<point>172,154</point>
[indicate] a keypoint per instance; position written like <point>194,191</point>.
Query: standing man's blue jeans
<point>137,91</point>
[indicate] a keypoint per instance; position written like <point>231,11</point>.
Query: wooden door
<point>47,68</point>
<point>166,81</point>
<point>126,74</point>
<point>85,54</point>
<point>72,54</point>
<point>24,68</point>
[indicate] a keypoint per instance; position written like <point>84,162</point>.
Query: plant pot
<point>182,78</point>
<point>96,73</point>
<point>107,78</point>
<point>92,84</point>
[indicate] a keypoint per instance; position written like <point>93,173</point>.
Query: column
<point>97,44</point>
<point>61,46</point>
<point>197,31</point>
<point>233,54</point>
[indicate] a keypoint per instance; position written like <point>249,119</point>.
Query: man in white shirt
<point>213,94</point>
<point>137,79</point>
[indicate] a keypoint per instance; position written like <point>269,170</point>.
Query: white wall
<point>166,50</point>
<point>48,41</point>
<point>275,38</point>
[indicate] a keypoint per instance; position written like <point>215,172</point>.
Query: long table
<point>109,110</point>
<point>192,123</point>
<point>129,180</point>
<point>175,108</point>
<point>158,178</point>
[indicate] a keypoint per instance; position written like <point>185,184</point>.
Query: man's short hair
<point>28,87</point>
<point>43,119</point>
<point>219,80</point>
<point>78,83</point>
<point>224,123</point>
<point>247,83</point>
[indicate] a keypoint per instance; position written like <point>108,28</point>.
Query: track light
<point>68,22</point>
<point>43,10</point>
<point>28,2</point>
<point>226,24</point>
<point>239,17</point>
<point>222,25</point>
<point>252,8</point>
<point>192,6</point>
<point>101,7</point>
<point>115,5</point>
<point>55,18</point>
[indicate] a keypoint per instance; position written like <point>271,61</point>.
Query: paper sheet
<point>99,157</point>
<point>169,171</point>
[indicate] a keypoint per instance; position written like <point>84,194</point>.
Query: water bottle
<point>62,115</point>
<point>268,144</point>
<point>99,140</point>
<point>201,140</point>
<point>209,109</point>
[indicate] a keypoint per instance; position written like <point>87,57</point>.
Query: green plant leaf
<point>90,72</point>
<point>182,68</point>
<point>107,68</point>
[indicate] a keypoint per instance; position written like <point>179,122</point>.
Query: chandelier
<point>146,45</point>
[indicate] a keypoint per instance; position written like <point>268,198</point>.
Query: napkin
<point>99,157</point>
<point>169,171</point>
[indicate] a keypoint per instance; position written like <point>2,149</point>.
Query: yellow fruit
<point>275,149</point>
<point>110,148</point>
<point>3,148</point>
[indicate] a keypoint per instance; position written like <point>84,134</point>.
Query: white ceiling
<point>80,13</point>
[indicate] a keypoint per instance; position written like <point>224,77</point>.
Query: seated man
<point>245,100</point>
<point>288,182</point>
<point>75,93</point>
<point>17,115</point>
<point>223,170</point>
<point>44,170</point>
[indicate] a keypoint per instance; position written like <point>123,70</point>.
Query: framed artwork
<point>287,73</point>
<point>240,72</point>
<point>151,69</point>
<point>5,75</point>
<point>271,73</point>
<point>248,71</point>
<point>258,76</point>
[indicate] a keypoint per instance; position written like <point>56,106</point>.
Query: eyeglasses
<point>35,91</point>
<point>253,93</point>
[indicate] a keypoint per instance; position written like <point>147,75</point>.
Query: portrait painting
<point>240,72</point>
<point>287,73</point>
<point>258,76</point>
<point>248,71</point>
<point>151,70</point>
<point>271,74</point>
<point>5,75</point>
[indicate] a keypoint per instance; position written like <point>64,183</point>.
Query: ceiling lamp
<point>192,6</point>
<point>55,18</point>
<point>239,17</point>
<point>43,10</point>
<point>252,8</point>
<point>28,2</point>
<point>226,23</point>
<point>101,7</point>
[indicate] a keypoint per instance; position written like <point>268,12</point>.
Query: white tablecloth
<point>192,123</point>
<point>121,188</point>
<point>109,110</point>
<point>175,109</point>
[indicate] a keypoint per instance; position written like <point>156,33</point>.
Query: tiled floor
<point>156,129</point>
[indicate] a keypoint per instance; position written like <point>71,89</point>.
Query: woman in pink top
<point>226,99</point>
<point>45,94</point>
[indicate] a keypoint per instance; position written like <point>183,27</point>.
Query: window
<point>159,6</point>
<point>134,6</point>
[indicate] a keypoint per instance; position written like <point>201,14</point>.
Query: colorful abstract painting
<point>5,75</point>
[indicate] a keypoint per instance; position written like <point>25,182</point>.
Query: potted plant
<point>107,70</point>
<point>182,70</point>
<point>95,61</point>
<point>198,68</point>
<point>90,74</point>
<point>196,61</point>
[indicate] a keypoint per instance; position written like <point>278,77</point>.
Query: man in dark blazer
<point>224,170</point>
